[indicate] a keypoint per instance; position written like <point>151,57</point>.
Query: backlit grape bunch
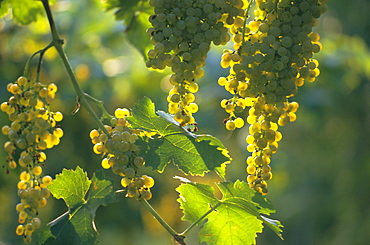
<point>272,58</point>
<point>120,154</point>
<point>182,33</point>
<point>33,129</point>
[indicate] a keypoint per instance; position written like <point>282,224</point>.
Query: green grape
<point>148,181</point>
<point>146,195</point>
<point>230,125</point>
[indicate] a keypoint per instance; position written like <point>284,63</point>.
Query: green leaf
<point>76,226</point>
<point>192,154</point>
<point>195,199</point>
<point>4,7</point>
<point>236,216</point>
<point>136,32</point>
<point>135,14</point>
<point>24,11</point>
<point>71,186</point>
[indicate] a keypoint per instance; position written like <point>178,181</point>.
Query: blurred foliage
<point>321,172</point>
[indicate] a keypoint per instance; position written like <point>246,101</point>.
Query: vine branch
<point>179,238</point>
<point>58,44</point>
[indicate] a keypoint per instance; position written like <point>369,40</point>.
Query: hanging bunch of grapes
<point>121,154</point>
<point>33,129</point>
<point>272,57</point>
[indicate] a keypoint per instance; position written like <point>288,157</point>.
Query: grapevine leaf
<point>76,226</point>
<point>24,11</point>
<point>136,30</point>
<point>236,216</point>
<point>192,154</point>
<point>135,14</point>
<point>71,186</point>
<point>195,200</point>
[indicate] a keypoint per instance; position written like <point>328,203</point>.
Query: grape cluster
<point>33,129</point>
<point>182,33</point>
<point>272,58</point>
<point>121,154</point>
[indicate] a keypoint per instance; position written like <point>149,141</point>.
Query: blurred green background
<point>321,184</point>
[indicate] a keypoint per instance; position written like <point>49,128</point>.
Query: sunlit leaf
<point>77,225</point>
<point>236,216</point>
<point>191,153</point>
<point>71,186</point>
<point>24,11</point>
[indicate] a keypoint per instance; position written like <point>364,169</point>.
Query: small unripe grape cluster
<point>121,154</point>
<point>182,33</point>
<point>33,129</point>
<point>33,191</point>
<point>272,58</point>
<point>138,187</point>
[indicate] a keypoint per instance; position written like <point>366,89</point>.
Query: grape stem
<point>41,52</point>
<point>179,238</point>
<point>245,20</point>
<point>100,104</point>
<point>58,44</point>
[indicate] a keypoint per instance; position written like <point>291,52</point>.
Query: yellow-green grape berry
<point>58,116</point>
<point>230,125</point>
<point>23,214</point>
<point>148,181</point>
<point>58,132</point>
<point>20,230</point>
<point>229,108</point>
<point>22,81</point>
<point>34,193</point>
<point>27,239</point>
<point>45,192</point>
<point>46,180</point>
<point>24,176</point>
<point>37,170</point>
<point>267,176</point>
<point>175,98</point>
<point>251,169</point>
<point>146,195</point>
<point>239,122</point>
<point>139,182</point>
<point>192,107</point>
<point>12,164</point>
<point>121,113</point>
<point>105,163</point>
<point>22,185</point>
<point>36,222</point>
<point>178,117</point>
<point>125,181</point>
<point>19,207</point>
<point>193,87</point>
<point>94,133</point>
<point>29,227</point>
<point>251,178</point>
<point>52,88</point>
<point>131,190</point>
<point>98,148</point>
<point>129,172</point>
<point>139,161</point>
